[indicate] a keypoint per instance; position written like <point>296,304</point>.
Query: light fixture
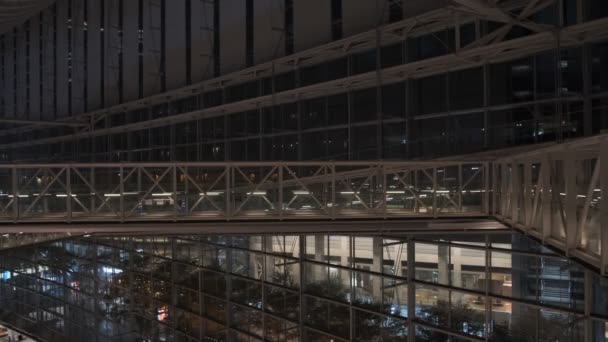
<point>210,193</point>
<point>301,192</point>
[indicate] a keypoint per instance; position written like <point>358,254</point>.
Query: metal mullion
<point>351,286</point>
<point>302,243</point>
<point>460,187</point>
<point>486,188</point>
<point>174,192</point>
<point>228,277</point>
<point>435,212</point>
<point>603,160</point>
<point>122,191</point>
<point>525,38</point>
<point>68,189</point>
<point>15,190</point>
<point>281,175</point>
<point>527,194</point>
<point>570,163</point>
<point>488,276</point>
<point>411,289</point>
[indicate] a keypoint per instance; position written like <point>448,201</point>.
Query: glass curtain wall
<point>552,95</point>
<point>497,287</point>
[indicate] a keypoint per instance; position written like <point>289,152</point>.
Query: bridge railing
<point>558,195</point>
<point>237,191</point>
<point>554,194</point>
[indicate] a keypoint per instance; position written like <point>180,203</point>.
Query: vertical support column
<point>603,160</point>
<point>122,197</point>
<point>411,289</point>
<point>281,167</point>
<point>460,188</point>
<point>174,190</point>
<point>377,260</point>
<point>488,275</point>
<point>487,168</point>
<point>379,107</point>
<point>228,278</point>
<point>515,189</point>
<point>186,191</point>
<point>486,101</point>
<point>408,137</point>
<point>455,259</point>
<point>333,191</point>
<point>527,205</point>
<point>15,190</point>
<point>504,186</point>
<point>443,264</point>
<point>384,191</point>
<point>302,242</point>
<point>545,174</point>
<point>434,192</point>
<point>495,188</point>
<point>68,190</point>
<point>228,176</point>
<point>588,283</point>
<point>92,206</point>
<point>345,259</point>
<point>587,70</point>
<point>320,251</point>
<point>131,267</point>
<point>569,207</point>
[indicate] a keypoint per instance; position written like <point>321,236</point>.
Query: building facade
<point>190,80</point>
<point>461,287</point>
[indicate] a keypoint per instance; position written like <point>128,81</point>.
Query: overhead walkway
<point>553,193</point>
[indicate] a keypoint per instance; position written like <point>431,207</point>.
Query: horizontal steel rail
<point>558,195</point>
<point>553,193</point>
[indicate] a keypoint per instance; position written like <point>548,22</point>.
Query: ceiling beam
<point>42,123</point>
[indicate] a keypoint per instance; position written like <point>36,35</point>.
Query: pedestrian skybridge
<point>554,193</point>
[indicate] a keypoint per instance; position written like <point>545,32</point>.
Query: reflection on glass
<point>298,288</point>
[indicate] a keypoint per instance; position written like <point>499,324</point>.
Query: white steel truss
<point>557,195</point>
<point>241,191</point>
<point>554,194</point>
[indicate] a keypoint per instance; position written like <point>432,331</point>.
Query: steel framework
<point>554,193</point>
<point>242,191</point>
<point>557,195</point>
<point>490,48</point>
<point>254,267</point>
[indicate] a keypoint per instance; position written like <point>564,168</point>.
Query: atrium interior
<point>304,170</point>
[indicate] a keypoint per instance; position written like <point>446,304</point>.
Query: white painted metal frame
<point>561,197</point>
<point>240,191</point>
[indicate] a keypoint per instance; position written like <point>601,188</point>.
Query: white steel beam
<point>568,205</point>
<point>603,160</point>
